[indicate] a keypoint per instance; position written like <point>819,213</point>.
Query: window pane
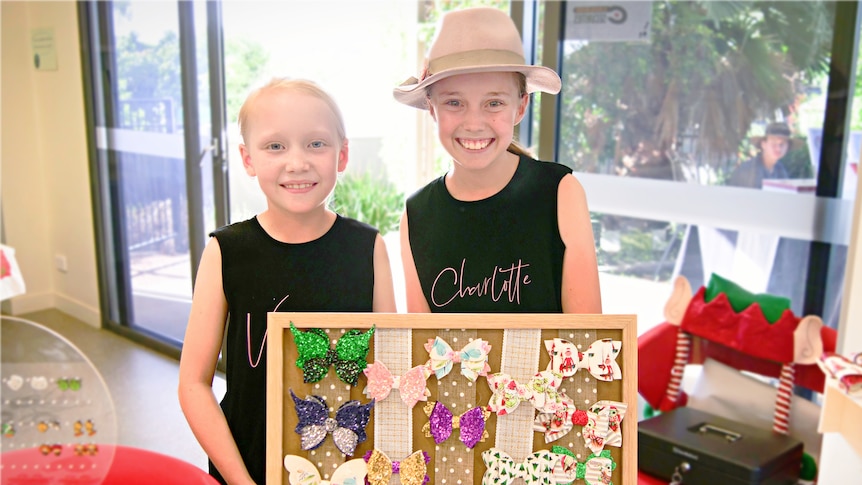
<point>687,97</point>
<point>150,166</point>
<point>684,91</point>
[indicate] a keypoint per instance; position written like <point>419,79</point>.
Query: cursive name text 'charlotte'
<point>502,282</point>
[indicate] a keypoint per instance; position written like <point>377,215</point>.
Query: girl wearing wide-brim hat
<point>500,231</point>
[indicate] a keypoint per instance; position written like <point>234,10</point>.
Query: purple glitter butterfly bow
<point>347,428</point>
<point>441,422</point>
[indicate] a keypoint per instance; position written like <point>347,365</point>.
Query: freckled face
<point>476,116</point>
<point>293,148</point>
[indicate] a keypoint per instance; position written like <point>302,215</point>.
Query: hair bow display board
<point>532,398</point>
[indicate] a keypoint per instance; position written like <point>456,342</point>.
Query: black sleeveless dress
<point>334,273</point>
<point>503,254</point>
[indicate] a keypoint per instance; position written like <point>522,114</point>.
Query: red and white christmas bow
<point>847,372</point>
<point>601,424</point>
<point>599,358</point>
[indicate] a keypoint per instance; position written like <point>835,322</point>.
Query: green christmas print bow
<point>537,469</point>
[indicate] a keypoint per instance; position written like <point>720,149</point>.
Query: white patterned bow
<point>473,358</point>
<point>303,472</point>
<point>599,359</point>
<point>541,391</point>
<point>537,469</point>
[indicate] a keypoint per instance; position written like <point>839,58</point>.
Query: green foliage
<point>798,163</point>
<point>148,71</point>
<point>151,73</point>
<point>637,247</point>
<point>148,83</point>
<point>372,200</point>
<point>244,62</point>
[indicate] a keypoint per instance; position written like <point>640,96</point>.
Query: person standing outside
<point>767,163</point>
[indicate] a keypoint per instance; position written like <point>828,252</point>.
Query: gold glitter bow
<point>412,469</point>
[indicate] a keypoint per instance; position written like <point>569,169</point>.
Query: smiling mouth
<point>298,186</point>
<point>475,144</point>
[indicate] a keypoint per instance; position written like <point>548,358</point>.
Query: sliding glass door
<point>155,150</point>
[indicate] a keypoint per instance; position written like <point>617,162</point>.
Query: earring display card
<point>59,423</point>
<point>472,398</point>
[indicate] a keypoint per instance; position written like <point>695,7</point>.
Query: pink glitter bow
<point>411,385</point>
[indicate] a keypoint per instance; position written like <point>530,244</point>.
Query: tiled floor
<point>142,384</point>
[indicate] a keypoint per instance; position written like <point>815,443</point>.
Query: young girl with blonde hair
<point>297,255</point>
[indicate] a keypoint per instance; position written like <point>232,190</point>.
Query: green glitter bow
<point>315,355</point>
<point>594,471</point>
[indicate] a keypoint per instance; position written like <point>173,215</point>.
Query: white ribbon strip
<point>392,346</point>
<point>520,359</point>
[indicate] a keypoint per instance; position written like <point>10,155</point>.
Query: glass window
<point>687,93</point>
<point>149,155</point>
<point>661,96</point>
<point>153,158</point>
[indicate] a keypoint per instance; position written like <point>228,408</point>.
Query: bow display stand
<point>451,398</point>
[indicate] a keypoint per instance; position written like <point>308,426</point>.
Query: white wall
<point>45,189</point>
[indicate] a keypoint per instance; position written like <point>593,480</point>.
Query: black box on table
<point>705,449</point>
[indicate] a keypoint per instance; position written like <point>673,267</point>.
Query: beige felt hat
<point>472,40</point>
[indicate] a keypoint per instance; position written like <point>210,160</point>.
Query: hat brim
<point>413,92</point>
<point>794,143</point>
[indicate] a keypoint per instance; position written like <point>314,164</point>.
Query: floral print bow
<point>303,472</point>
<point>599,359</point>
<point>412,469</point>
<point>540,391</point>
<point>411,385</point>
<point>473,358</point>
<point>601,424</point>
<point>315,355</point>
<point>597,470</point>
<point>347,428</point>
<point>441,422</point>
<point>537,469</point>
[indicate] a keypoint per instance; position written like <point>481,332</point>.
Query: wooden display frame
<point>282,374</point>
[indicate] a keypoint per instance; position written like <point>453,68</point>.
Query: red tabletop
<point>106,464</point>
